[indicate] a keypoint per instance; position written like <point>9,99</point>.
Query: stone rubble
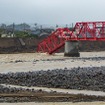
<point>89,78</point>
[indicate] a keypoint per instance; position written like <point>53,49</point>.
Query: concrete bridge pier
<point>71,49</point>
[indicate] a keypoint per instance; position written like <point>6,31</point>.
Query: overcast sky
<point>51,11</point>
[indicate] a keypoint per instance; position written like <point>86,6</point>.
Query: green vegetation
<point>23,34</point>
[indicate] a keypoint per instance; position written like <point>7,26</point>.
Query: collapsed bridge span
<point>82,31</point>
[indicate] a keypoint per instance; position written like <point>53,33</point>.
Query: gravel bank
<point>89,78</point>
<point>13,94</point>
<point>56,71</point>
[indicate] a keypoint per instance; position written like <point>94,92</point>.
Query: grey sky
<point>51,11</point>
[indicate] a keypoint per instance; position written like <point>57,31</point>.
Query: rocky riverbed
<point>24,94</point>
<point>56,71</point>
<point>89,78</point>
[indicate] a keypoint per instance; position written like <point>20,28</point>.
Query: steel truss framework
<point>90,31</point>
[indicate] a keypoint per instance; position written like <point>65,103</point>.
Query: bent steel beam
<point>90,31</point>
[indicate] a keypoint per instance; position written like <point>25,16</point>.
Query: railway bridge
<point>82,31</point>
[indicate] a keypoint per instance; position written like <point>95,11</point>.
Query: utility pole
<point>72,25</point>
<point>24,27</point>
<point>35,26</point>
<point>13,29</point>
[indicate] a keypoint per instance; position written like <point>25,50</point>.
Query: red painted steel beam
<point>90,31</point>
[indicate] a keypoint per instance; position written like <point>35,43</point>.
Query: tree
<point>21,34</point>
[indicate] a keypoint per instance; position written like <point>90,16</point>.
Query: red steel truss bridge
<point>82,31</point>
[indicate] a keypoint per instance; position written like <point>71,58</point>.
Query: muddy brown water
<point>24,62</point>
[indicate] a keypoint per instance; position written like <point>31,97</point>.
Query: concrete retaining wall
<point>10,42</point>
<point>14,45</point>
